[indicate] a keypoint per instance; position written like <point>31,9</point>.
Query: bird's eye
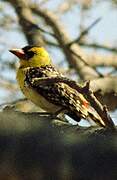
<point>30,54</point>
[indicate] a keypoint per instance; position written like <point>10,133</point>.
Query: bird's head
<point>32,56</point>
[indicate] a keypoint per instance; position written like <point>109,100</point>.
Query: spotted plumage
<point>59,94</point>
<point>35,64</point>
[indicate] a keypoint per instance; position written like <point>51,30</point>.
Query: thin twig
<point>83,60</point>
<point>86,31</point>
<point>98,46</point>
<point>44,31</point>
<point>50,43</point>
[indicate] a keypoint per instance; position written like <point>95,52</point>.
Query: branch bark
<point>35,148</point>
<point>96,60</point>
<point>106,91</point>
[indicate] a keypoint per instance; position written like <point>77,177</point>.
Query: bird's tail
<point>83,109</point>
<point>95,117</point>
<point>90,113</point>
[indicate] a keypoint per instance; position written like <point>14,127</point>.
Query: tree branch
<point>83,33</point>
<point>98,46</point>
<point>27,22</point>
<point>85,71</point>
<point>34,147</point>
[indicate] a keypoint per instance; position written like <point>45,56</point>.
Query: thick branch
<point>106,91</point>
<point>102,60</point>
<point>33,148</point>
<point>94,59</point>
<point>26,21</point>
<point>85,71</point>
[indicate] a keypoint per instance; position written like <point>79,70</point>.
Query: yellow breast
<point>32,95</point>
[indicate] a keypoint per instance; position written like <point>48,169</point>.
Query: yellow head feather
<point>40,58</point>
<point>32,56</point>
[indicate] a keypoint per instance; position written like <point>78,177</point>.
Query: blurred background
<point>77,33</point>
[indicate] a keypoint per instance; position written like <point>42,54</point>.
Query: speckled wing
<point>57,93</point>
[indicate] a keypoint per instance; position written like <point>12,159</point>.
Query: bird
<point>35,64</point>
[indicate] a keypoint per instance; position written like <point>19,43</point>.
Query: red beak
<point>18,52</point>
